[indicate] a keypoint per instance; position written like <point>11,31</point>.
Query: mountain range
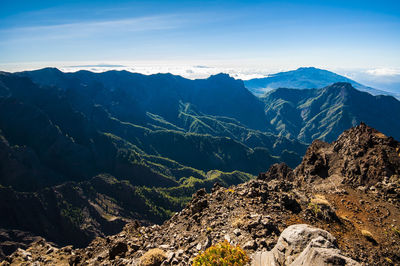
<point>310,114</point>
<point>83,153</point>
<point>305,78</point>
<point>78,148</point>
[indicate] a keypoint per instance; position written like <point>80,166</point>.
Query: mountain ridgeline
<point>310,114</point>
<point>83,153</point>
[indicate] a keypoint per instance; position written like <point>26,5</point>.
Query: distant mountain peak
<point>45,72</point>
<point>342,85</point>
<point>304,78</point>
<point>221,76</point>
<point>308,68</point>
<point>48,70</point>
<point>226,80</point>
<point>343,88</point>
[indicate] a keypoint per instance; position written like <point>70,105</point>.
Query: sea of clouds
<point>387,79</point>
<point>187,71</point>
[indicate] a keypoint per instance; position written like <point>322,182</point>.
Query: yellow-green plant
<point>315,209</point>
<point>222,254</point>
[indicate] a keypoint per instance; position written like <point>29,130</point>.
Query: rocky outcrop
<point>361,157</point>
<point>11,240</point>
<point>279,171</point>
<point>302,244</point>
<point>368,156</point>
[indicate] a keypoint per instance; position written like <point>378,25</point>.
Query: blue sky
<point>269,35</point>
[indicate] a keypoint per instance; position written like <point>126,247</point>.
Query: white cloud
<point>137,23</point>
<point>383,72</point>
<point>91,28</point>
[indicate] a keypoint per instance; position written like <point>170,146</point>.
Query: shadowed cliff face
<point>358,210</point>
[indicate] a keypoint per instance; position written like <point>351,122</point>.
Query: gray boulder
<point>303,244</point>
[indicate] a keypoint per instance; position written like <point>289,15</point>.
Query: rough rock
<point>277,171</point>
<point>361,156</point>
<point>302,244</point>
<point>11,240</point>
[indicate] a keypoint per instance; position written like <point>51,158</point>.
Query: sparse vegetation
<point>320,200</point>
<point>153,257</point>
<point>73,214</point>
<point>315,209</point>
<point>322,209</point>
<point>222,254</point>
<point>317,203</point>
<point>230,190</point>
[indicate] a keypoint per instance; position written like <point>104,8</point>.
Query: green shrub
<point>222,254</point>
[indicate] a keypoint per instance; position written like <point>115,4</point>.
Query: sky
<point>193,38</point>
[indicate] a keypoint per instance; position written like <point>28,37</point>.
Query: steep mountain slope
<point>325,113</point>
<point>77,155</point>
<point>350,189</point>
<point>77,212</point>
<point>304,78</point>
<point>219,106</point>
<point>160,94</point>
<point>79,143</point>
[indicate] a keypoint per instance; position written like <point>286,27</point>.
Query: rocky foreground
<point>340,206</point>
